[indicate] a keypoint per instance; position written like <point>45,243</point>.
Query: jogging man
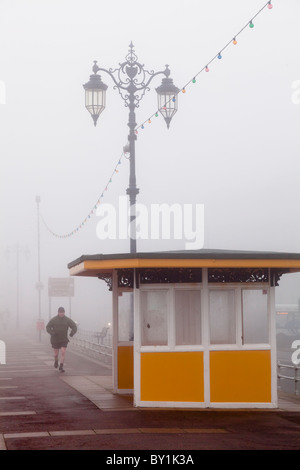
<point>58,328</point>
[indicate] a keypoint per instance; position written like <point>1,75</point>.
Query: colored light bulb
<point>142,126</point>
<point>270,6</point>
<point>174,99</point>
<point>183,90</point>
<point>156,114</point>
<point>234,41</point>
<point>149,121</point>
<point>220,55</point>
<point>251,25</point>
<point>206,69</point>
<point>194,80</point>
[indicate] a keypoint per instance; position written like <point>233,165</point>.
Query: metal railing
<point>97,345</point>
<point>295,377</point>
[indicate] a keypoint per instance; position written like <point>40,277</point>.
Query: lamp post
<point>39,284</point>
<point>132,81</point>
<point>18,250</point>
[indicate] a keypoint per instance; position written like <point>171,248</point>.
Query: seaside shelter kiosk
<point>193,329</point>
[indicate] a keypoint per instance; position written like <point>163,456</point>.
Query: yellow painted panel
<point>240,376</point>
<point>125,367</point>
<point>172,376</point>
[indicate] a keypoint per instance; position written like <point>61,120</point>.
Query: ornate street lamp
<point>95,95</point>
<point>167,97</point>
<point>132,81</point>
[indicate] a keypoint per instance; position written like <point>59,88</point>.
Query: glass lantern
<point>167,99</point>
<point>95,96</point>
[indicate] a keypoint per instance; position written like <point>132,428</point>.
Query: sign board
<point>61,287</point>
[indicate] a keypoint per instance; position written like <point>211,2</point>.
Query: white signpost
<point>60,287</point>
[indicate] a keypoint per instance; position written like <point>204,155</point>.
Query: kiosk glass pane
<point>125,317</point>
<point>187,317</point>
<point>154,318</point>
<point>255,316</point>
<point>222,317</point>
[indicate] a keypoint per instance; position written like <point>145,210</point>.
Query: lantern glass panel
<point>167,104</point>
<point>95,101</point>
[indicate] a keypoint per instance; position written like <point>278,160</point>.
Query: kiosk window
<point>154,308</point>
<point>222,317</point>
<point>187,316</point>
<point>255,316</point>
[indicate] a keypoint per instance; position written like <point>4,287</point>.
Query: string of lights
<point>218,56</point>
<point>92,211</point>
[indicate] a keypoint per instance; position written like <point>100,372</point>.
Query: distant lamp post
<point>18,251</point>
<point>39,285</point>
<point>132,81</point>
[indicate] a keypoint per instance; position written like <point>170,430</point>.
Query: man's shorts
<point>58,345</point>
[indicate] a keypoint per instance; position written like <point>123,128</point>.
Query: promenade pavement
<point>43,409</point>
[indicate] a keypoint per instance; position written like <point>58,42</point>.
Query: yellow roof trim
<point>94,267</point>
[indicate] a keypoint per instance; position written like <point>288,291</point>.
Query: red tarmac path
<point>42,409</point>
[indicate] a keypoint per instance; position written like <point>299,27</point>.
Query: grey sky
<point>233,145</point>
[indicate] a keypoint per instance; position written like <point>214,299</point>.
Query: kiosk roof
<point>92,265</point>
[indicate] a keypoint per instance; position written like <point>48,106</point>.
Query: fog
<point>233,145</point>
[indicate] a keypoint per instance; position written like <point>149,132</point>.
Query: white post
<point>115,330</point>
<point>136,347</point>
<point>205,335</point>
<point>272,323</point>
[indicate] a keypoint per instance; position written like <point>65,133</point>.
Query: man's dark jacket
<point>58,329</point>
